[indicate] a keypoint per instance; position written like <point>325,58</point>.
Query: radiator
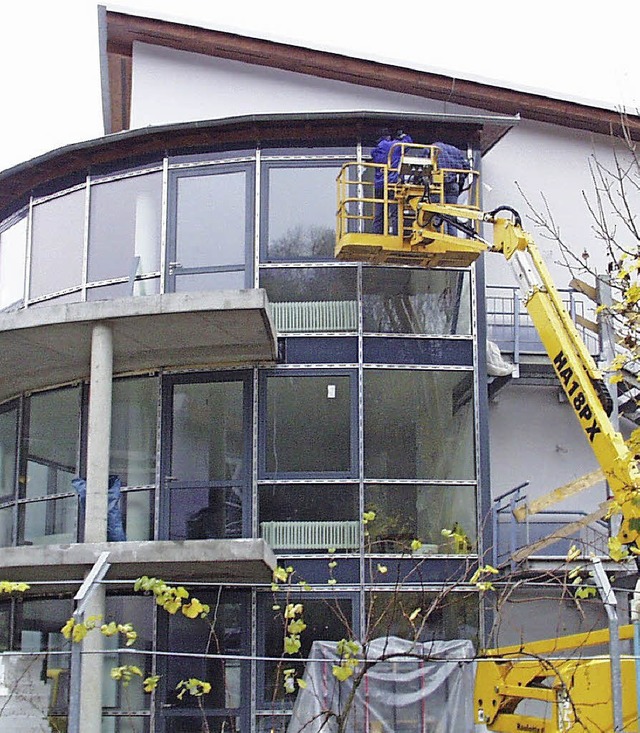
<point>311,535</point>
<point>322,315</point>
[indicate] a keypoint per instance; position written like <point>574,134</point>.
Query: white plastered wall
<point>172,86</point>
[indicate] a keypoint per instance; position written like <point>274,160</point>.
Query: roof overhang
<point>47,345</point>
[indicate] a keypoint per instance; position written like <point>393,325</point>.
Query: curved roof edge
<point>129,148</point>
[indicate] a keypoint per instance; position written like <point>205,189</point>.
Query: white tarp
<point>497,365</point>
<point>414,688</point>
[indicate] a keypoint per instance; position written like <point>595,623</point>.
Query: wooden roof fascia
<point>124,29</point>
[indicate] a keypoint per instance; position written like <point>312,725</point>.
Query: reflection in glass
<point>138,514</point>
<point>211,219</point>
<point>228,637</point>
<point>52,447</point>
<point>8,446</point>
<point>403,300</point>
<point>419,424</point>
<point>312,298</point>
<point>205,513</point>
<point>328,619</point>
<point>13,251</point>
<point>124,228</point>
<point>405,512</point>
<point>207,281</point>
<point>6,526</point>
<point>133,430</point>
<point>308,424</point>
<point>208,432</point>
<point>52,521</point>
<point>301,212</point>
<point>310,517</point>
<point>453,616</point>
<point>57,244</point>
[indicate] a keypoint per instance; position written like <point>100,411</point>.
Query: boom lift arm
<point>423,239</point>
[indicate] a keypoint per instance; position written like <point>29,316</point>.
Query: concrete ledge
<point>233,561</point>
<point>46,345</point>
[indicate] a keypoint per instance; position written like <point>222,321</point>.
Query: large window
<point>51,463</point>
<point>208,468</point>
<point>419,424</point>
<point>308,424</point>
<point>124,229</point>
<point>13,250</point>
<point>211,230</point>
<point>300,209</point>
<point>58,244</point>
<point>404,300</point>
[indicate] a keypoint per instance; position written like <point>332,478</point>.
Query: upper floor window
<point>299,211</point>
<point>124,228</point>
<point>13,251</point>
<point>57,245</point>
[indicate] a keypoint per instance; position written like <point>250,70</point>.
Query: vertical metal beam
<point>610,605</point>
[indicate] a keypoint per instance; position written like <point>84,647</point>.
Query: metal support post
<point>82,598</point>
<point>610,605</point>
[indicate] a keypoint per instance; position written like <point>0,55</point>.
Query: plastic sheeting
<point>416,688</point>
<point>497,365</point>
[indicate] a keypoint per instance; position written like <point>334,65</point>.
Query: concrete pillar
<point>95,528</point>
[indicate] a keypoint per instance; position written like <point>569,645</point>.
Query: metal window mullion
<point>361,605</point>
<point>164,224</point>
<point>85,239</point>
<point>29,252</point>
<point>256,219</point>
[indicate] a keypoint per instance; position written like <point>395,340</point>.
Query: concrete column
<point>95,528</point>
<point>99,433</point>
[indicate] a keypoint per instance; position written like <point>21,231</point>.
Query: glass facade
<point>372,407</point>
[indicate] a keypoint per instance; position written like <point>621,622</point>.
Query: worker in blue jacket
<point>451,157</point>
<point>380,154</point>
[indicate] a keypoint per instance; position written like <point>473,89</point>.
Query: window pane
<point>328,619</point>
<point>125,223</point>
<point>13,249</point>
<point>138,514</point>
<point>49,522</point>
<point>308,424</point>
<point>133,430</point>
<point>8,445</point>
<point>301,213</point>
<point>6,526</point>
<point>58,244</point>
<point>310,517</point>
<point>207,281</point>
<point>312,299</point>
<point>416,301</point>
<point>205,513</point>
<point>211,219</point>
<point>419,424</point>
<point>195,636</point>
<point>406,512</point>
<point>208,431</point>
<point>54,419</point>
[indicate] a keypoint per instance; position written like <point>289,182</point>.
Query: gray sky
<point>49,51</point>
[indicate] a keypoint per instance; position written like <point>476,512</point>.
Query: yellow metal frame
<point>577,691</point>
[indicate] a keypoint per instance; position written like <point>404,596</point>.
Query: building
<point>173,315</point>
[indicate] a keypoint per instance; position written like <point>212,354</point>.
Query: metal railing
<point>509,325</point>
<point>510,535</point>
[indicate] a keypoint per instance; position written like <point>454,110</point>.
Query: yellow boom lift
<point>434,233</point>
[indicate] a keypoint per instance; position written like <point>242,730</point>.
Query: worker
<point>451,157</point>
<point>380,154</point>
